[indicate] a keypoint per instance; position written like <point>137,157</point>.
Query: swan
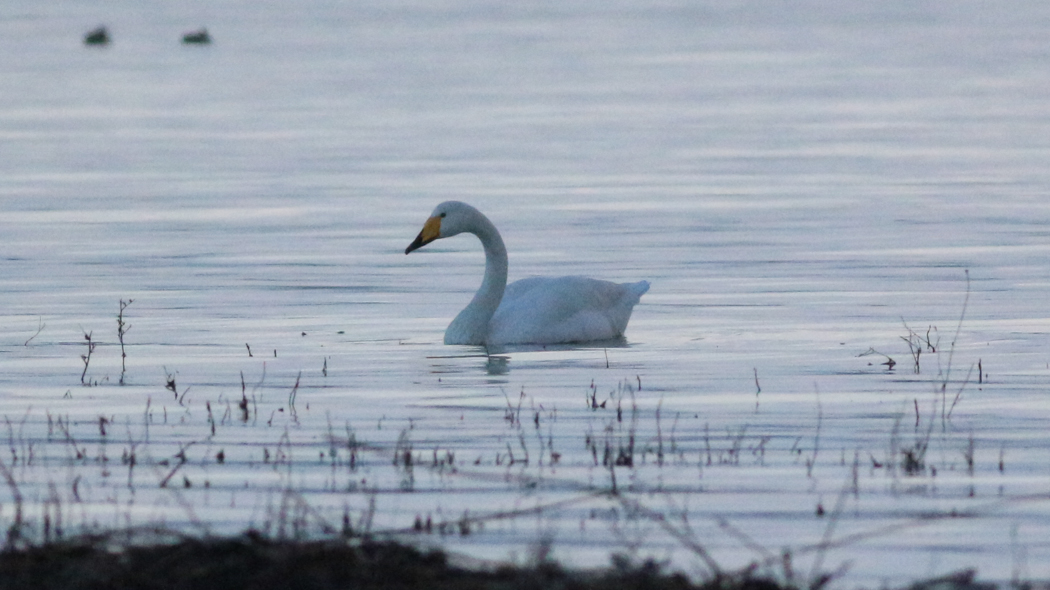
<point>537,310</point>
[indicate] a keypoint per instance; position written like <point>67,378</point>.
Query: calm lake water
<point>802,183</point>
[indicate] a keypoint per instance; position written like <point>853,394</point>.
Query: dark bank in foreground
<point>254,561</point>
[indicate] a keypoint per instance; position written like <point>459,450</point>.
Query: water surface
<point>800,184</point>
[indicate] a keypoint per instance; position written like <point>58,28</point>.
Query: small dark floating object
<point>99,36</point>
<point>200,37</point>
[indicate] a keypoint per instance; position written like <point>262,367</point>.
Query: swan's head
<point>448,219</point>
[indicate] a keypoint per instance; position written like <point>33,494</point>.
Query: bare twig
<point>688,541</point>
<point>291,399</point>
<point>889,363</point>
<point>812,461</point>
<point>122,329</point>
<point>14,533</point>
<point>816,578</point>
<point>87,357</point>
<point>40,328</point>
<point>945,413</point>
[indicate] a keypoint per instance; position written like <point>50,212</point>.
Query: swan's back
<point>548,310</point>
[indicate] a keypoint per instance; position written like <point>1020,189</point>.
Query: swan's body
<point>539,310</point>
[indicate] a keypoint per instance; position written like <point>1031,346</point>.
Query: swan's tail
<point>620,314</point>
<point>637,289</point>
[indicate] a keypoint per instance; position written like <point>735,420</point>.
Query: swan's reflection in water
<point>497,365</point>
<point>495,361</point>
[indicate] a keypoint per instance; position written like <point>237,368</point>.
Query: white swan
<point>539,310</point>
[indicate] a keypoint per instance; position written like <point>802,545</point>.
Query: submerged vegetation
<point>161,496</point>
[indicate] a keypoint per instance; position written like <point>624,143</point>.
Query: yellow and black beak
<point>431,231</point>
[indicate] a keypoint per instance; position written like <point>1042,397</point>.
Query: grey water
<point>810,188</point>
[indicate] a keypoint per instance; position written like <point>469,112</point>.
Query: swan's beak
<point>431,231</point>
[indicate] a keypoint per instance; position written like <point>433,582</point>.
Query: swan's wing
<point>547,310</point>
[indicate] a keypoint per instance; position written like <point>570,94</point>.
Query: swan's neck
<point>471,326</point>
